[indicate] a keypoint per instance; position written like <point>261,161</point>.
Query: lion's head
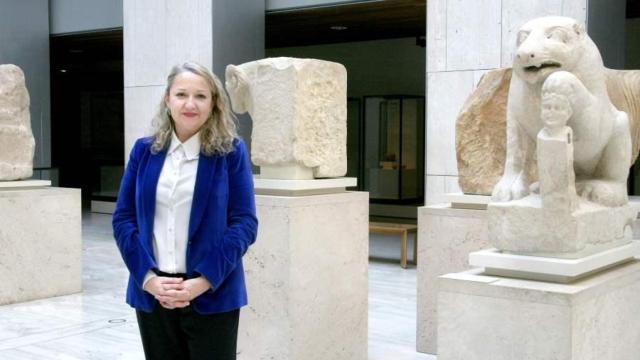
<point>548,44</point>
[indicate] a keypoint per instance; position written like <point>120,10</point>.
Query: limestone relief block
<point>481,121</point>
<point>299,112</point>
<point>17,144</point>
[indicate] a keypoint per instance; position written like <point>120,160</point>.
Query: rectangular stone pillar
<point>40,242</point>
<point>161,33</point>
<point>493,318</point>
<point>447,236</point>
<point>307,279</point>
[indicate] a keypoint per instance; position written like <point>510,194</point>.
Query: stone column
<point>161,33</point>
<point>465,38</point>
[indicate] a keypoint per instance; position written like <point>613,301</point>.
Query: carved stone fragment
<point>17,144</point>
<point>299,112</point>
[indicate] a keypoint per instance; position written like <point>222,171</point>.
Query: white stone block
<point>302,187</point>
<point>576,9</point>
<point>447,236</point>
<point>447,92</point>
<point>145,42</point>
<point>491,318</point>
<point>436,35</point>
<point>140,105</point>
<point>516,13</point>
<point>40,238</point>
<point>473,34</point>
<point>550,269</point>
<point>307,279</point>
<point>188,27</point>
<point>299,112</point>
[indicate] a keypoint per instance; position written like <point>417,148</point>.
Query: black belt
<point>166,274</point>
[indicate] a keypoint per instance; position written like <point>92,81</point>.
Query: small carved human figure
<point>556,56</point>
<point>555,154</point>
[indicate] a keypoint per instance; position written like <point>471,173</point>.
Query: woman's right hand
<point>166,291</point>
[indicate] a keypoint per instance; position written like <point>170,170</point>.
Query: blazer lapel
<point>150,186</point>
<point>201,191</point>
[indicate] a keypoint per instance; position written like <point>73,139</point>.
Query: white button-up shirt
<point>174,196</point>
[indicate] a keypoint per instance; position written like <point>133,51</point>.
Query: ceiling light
<point>338,27</point>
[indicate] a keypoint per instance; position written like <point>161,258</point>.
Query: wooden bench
<point>398,229</point>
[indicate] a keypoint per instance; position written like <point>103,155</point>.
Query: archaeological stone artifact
<point>481,125</point>
<point>17,144</point>
<point>568,149</point>
<point>299,113</point>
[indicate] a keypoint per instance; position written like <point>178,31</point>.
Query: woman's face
<point>190,103</point>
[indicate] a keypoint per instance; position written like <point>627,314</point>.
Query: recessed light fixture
<point>338,27</point>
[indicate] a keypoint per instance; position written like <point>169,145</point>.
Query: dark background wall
<point>24,41</point>
<point>238,37</point>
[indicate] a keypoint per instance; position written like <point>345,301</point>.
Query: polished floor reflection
<point>97,324</point>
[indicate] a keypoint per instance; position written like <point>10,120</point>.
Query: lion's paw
<point>607,193</point>
<point>509,188</point>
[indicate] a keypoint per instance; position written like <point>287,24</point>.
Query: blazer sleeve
<point>242,223</point>
<point>125,224</point>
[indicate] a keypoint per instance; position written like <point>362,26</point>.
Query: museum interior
<point>457,230</point>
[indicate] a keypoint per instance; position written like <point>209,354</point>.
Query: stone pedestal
<point>447,236</point>
<point>307,279</point>
<point>40,242</point>
<point>483,317</point>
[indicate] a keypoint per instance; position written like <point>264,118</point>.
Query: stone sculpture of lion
<point>556,56</point>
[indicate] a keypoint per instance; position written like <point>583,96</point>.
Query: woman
<point>184,218</point>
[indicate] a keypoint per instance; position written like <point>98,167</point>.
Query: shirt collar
<point>191,147</point>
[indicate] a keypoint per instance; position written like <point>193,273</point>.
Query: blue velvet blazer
<point>222,225</point>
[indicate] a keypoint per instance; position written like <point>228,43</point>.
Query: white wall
<point>67,16</point>
<point>380,67</point>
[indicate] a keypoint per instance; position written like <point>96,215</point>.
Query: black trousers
<point>183,334</point>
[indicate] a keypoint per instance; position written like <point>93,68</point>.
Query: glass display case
<point>394,148</point>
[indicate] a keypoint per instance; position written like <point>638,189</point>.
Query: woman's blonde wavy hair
<point>217,133</point>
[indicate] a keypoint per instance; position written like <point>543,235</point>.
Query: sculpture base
<point>467,201</point>
<point>525,227</point>
<point>295,172</point>
<point>447,236</point>
<point>41,244</point>
<point>489,318</point>
<point>548,269</point>
<point>302,187</point>
<point>307,279</point>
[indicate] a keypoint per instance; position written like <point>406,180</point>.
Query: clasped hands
<point>173,293</point>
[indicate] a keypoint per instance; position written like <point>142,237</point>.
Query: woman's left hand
<point>189,290</point>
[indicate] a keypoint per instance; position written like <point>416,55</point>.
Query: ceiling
<point>367,20</point>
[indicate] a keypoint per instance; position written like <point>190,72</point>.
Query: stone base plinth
<point>496,262</point>
<point>40,242</point>
<point>307,279</point>
<point>447,236</point>
<point>492,318</point>
<point>527,227</point>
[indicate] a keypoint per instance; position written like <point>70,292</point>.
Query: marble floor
<point>97,324</point>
